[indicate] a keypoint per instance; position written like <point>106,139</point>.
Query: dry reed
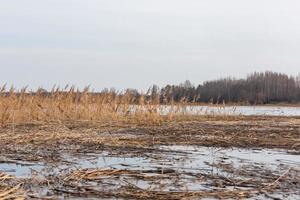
<point>7,191</point>
<point>19,107</point>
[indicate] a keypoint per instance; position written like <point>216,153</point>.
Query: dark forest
<point>256,88</point>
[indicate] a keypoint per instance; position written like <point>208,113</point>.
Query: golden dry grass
<point>7,191</point>
<point>68,104</point>
<point>17,107</point>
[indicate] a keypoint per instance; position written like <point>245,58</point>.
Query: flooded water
<point>198,156</point>
<point>180,158</point>
<point>235,110</point>
<point>20,170</point>
<point>170,168</point>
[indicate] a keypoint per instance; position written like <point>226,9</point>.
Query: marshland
<point>220,120</point>
<point>69,143</point>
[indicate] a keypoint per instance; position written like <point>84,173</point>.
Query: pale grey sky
<point>136,43</point>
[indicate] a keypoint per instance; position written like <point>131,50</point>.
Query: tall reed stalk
<point>23,106</point>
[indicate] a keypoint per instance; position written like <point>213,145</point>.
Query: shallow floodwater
<point>180,158</point>
<point>172,168</point>
<point>235,110</point>
<point>270,158</point>
<point>21,171</point>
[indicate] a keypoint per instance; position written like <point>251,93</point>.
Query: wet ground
<point>189,158</point>
<point>253,158</point>
<point>167,169</point>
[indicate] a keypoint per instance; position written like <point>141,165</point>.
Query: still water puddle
<point>169,168</point>
<point>20,170</point>
<point>196,156</point>
<point>180,158</point>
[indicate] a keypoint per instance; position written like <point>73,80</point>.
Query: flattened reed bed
<point>109,182</point>
<point>92,181</point>
<point>9,189</point>
<point>72,136</point>
<point>133,193</point>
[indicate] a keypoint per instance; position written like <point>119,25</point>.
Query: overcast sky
<point>136,43</point>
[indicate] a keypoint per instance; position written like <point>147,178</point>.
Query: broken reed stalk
<point>10,192</point>
<point>279,178</point>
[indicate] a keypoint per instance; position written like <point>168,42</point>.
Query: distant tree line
<point>256,88</point>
